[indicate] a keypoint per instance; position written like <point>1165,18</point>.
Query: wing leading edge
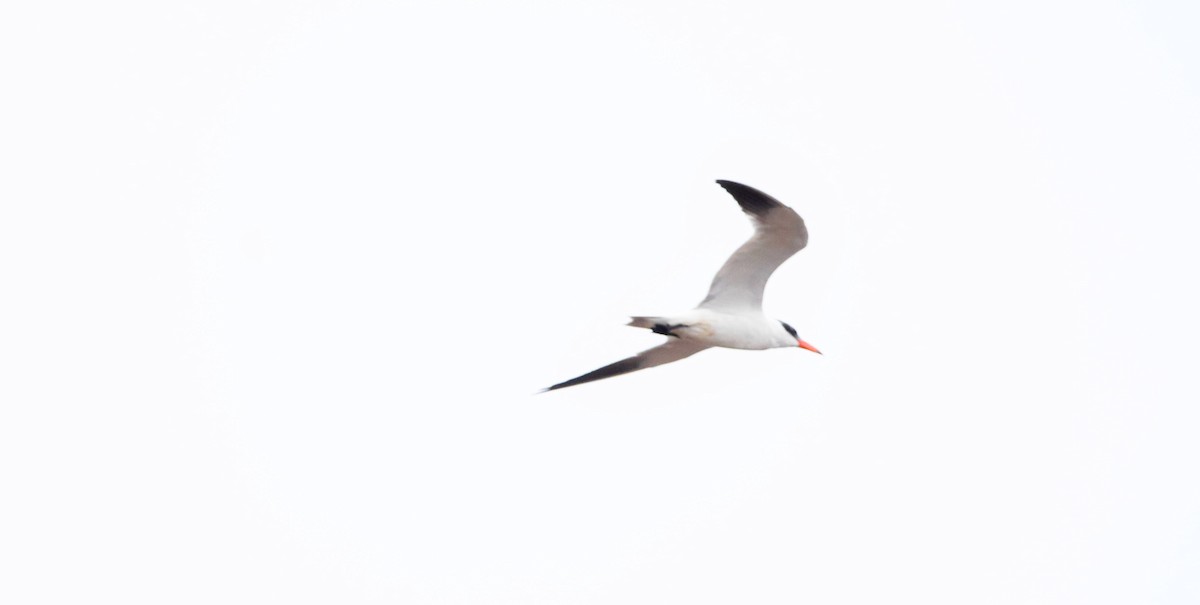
<point>778,234</point>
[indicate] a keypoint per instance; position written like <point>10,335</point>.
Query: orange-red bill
<point>805,345</point>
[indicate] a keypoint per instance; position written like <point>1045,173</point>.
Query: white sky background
<point>282,277</point>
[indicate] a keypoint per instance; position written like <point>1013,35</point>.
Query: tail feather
<point>645,322</point>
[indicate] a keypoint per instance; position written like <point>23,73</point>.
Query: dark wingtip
<point>554,387</point>
<point>750,199</point>
<point>629,364</point>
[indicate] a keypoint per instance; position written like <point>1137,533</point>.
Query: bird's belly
<point>727,332</point>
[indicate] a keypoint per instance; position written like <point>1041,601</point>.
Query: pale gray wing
<point>672,350</point>
<point>778,234</point>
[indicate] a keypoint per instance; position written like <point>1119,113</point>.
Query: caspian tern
<point>731,316</point>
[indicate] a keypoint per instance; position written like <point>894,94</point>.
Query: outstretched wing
<point>672,350</point>
<point>778,234</point>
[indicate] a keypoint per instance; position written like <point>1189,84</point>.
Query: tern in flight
<point>731,316</point>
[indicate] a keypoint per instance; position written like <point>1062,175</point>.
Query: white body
<point>746,330</point>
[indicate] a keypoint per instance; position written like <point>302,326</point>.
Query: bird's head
<point>799,342</point>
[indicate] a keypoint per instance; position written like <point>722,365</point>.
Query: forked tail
<point>646,322</point>
<point>658,325</point>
